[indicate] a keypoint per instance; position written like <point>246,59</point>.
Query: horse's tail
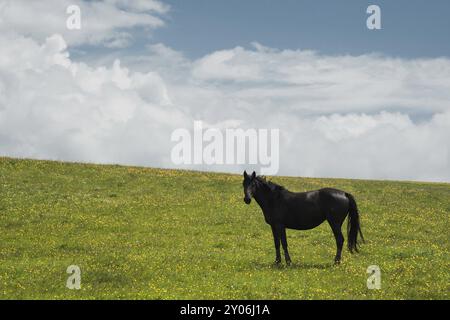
<point>353,225</point>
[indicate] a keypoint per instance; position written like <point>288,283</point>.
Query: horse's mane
<point>272,186</point>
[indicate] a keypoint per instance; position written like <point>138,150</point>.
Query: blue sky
<point>411,28</point>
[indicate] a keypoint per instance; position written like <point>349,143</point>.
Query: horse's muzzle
<point>247,200</point>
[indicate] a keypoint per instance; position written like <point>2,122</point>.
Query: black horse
<point>302,211</point>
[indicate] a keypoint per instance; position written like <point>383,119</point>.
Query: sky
<point>411,28</point>
<point>348,101</point>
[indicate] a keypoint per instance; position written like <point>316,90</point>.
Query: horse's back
<point>321,202</point>
<point>317,196</point>
<point>332,192</point>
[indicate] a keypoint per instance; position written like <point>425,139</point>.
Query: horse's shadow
<point>296,265</point>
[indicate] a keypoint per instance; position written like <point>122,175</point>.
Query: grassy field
<point>163,234</point>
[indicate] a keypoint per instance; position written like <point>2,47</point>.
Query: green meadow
<point>141,233</point>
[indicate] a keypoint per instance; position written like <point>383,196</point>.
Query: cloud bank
<point>367,116</point>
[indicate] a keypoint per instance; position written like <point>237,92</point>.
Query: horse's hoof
<point>288,263</point>
<point>337,262</point>
<point>277,262</point>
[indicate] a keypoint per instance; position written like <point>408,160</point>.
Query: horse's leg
<point>284,244</point>
<point>276,239</point>
<point>336,227</point>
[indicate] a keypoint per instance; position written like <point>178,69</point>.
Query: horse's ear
<point>253,175</point>
<point>245,174</point>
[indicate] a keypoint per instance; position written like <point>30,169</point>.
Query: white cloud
<point>54,108</point>
<point>307,81</point>
<point>343,116</point>
<point>102,22</point>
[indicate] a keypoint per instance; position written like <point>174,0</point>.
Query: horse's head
<point>249,186</point>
